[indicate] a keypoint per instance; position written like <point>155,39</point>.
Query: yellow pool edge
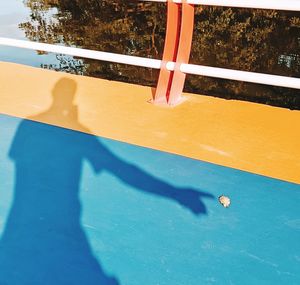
<point>247,136</point>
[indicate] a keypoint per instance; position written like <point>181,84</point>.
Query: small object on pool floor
<point>225,201</point>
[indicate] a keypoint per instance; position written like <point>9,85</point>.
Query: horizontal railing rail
<point>84,53</point>
<point>224,73</point>
<point>289,5</point>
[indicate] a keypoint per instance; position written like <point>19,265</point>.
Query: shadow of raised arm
<point>189,198</point>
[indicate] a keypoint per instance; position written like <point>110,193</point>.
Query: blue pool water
<point>80,209</point>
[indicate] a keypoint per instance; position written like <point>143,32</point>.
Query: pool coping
<point>247,136</point>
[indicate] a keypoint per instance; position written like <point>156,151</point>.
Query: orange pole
<point>183,55</point>
<point>170,52</point>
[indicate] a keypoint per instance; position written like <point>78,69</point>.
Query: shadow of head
<point>63,111</point>
<point>63,93</point>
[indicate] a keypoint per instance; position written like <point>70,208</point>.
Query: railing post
<point>170,53</point>
<point>178,41</point>
<point>183,53</point>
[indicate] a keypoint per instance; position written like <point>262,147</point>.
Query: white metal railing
<point>261,78</point>
<point>216,72</point>
<point>290,5</point>
<point>85,53</point>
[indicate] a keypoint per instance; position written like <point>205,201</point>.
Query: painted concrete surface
<point>251,137</point>
<point>80,209</point>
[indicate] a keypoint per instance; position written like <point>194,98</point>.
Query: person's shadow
<point>43,242</point>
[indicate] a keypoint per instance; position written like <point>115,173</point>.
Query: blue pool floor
<point>79,209</point>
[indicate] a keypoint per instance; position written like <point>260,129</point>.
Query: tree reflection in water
<point>243,39</point>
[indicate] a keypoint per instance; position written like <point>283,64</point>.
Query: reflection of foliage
<point>242,39</point>
<point>248,40</point>
<point>130,28</point>
<point>67,64</point>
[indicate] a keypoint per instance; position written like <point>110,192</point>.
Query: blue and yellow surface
<point>98,186</point>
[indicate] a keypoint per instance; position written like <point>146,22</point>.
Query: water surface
<point>245,39</point>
